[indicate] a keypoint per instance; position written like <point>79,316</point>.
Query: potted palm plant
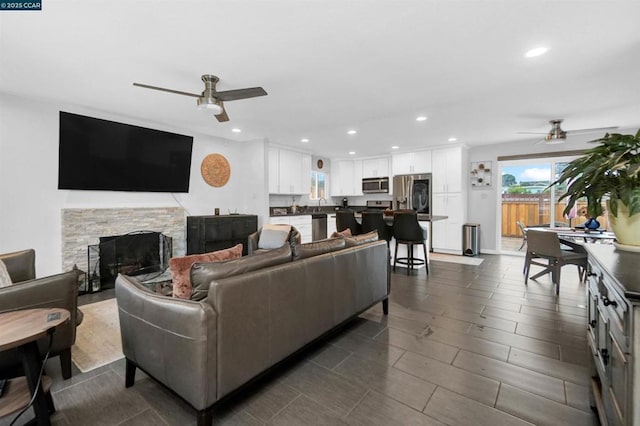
<point>609,172</point>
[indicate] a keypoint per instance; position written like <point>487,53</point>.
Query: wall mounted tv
<point>98,154</point>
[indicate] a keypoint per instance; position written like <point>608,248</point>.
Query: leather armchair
<point>252,241</point>
<point>55,291</point>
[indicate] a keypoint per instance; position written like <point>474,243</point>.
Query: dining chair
<point>524,233</point>
<point>374,221</point>
<point>345,218</point>
<point>546,245</point>
<point>407,230</point>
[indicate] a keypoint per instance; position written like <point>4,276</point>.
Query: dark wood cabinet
<point>210,233</point>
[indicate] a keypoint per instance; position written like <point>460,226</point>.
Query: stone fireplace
<point>84,227</point>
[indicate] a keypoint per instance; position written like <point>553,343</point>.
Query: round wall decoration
<point>320,164</point>
<point>215,170</point>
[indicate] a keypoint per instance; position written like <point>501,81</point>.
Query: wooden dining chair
<point>524,233</point>
<point>546,245</point>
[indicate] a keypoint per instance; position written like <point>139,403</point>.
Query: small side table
<point>22,329</point>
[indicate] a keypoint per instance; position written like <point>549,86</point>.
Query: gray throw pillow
<point>273,236</point>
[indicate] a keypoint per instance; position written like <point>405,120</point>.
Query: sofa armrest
<point>252,242</point>
<point>173,340</point>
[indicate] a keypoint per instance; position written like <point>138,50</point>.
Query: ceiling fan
<point>210,99</point>
<point>557,135</point>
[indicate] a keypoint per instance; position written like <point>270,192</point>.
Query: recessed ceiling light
<point>352,153</point>
<point>304,140</point>
<point>236,130</point>
<point>452,139</point>
<point>395,147</point>
<point>351,132</point>
<point>421,118</point>
<point>536,51</point>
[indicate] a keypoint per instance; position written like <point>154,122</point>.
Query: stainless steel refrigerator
<point>412,192</point>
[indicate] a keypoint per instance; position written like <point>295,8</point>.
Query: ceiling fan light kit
<point>211,100</point>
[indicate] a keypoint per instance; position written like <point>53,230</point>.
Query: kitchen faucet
<point>320,200</point>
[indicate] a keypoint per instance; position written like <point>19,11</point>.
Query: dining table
<point>577,234</point>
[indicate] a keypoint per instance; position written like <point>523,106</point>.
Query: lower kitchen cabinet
<point>613,288</point>
<point>447,233</point>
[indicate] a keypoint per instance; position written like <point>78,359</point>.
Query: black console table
<point>210,233</point>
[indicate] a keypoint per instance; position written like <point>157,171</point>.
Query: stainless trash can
<point>471,239</point>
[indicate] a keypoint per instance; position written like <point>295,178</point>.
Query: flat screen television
<point>97,154</point>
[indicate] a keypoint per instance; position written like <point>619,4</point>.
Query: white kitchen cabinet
<point>331,224</point>
<point>301,223</point>
<point>346,178</point>
<point>289,172</point>
<point>447,233</point>
<point>375,167</point>
<point>411,162</point>
<point>447,170</point>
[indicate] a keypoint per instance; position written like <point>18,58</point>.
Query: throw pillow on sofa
<point>302,251</point>
<point>202,273</point>
<point>181,266</point>
<point>345,233</point>
<point>5,279</point>
<point>273,236</point>
<point>362,239</point>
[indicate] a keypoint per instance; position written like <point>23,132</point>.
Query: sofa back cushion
<point>181,267</point>
<point>302,251</point>
<point>203,274</point>
<point>357,240</point>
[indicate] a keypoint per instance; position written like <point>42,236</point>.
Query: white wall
<point>30,203</point>
<point>483,205</point>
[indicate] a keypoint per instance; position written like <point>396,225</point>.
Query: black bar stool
<point>407,230</point>
<point>346,219</point>
<point>373,220</point>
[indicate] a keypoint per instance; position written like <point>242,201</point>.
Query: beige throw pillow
<point>5,278</point>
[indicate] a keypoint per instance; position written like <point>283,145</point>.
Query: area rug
<point>98,336</point>
<point>452,258</point>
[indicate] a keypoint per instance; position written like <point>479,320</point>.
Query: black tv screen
<point>99,154</point>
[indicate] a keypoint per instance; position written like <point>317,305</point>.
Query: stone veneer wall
<point>84,227</point>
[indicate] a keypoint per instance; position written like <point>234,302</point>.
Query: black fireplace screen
<point>141,252</point>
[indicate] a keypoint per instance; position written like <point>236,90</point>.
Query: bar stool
<point>407,230</point>
<point>373,220</point>
<point>346,219</point>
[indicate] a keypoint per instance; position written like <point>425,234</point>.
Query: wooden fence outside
<point>533,209</point>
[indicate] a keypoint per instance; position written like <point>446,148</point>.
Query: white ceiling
<point>330,66</point>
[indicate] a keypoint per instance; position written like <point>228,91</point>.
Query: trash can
<point>471,239</point>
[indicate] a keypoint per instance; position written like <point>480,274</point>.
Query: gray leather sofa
<point>55,291</point>
<point>250,320</point>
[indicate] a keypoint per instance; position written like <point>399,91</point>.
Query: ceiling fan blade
<point>233,95</point>
<point>531,133</point>
<point>177,92</point>
<point>222,117</point>
<point>593,130</point>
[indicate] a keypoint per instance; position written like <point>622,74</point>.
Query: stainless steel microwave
<point>375,185</point>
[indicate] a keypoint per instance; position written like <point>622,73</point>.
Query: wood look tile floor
<point>467,345</point>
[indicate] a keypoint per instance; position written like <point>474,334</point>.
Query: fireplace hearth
<point>135,253</point>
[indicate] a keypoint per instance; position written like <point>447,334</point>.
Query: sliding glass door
<point>526,200</point>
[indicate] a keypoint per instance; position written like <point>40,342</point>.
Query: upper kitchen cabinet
<point>375,167</point>
<point>289,171</point>
<point>447,169</point>
<point>412,162</point>
<point>346,177</point>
